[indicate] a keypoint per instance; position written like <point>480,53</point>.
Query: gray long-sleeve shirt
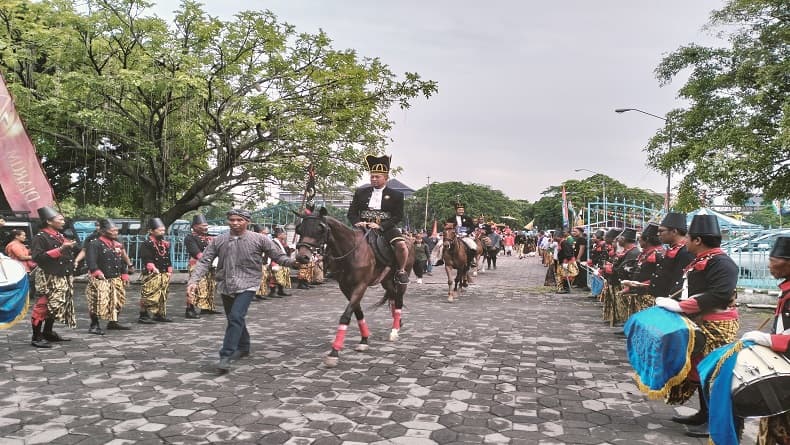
<point>240,261</point>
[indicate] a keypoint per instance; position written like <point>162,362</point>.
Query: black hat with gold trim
<point>378,164</point>
<point>458,204</point>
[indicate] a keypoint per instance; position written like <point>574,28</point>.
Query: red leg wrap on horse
<point>364,331</point>
<point>340,337</point>
<point>40,311</point>
<point>396,318</point>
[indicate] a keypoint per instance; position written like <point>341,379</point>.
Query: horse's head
<point>313,233</point>
<point>449,234</point>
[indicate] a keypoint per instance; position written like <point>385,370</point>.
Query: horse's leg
<point>448,269</point>
<point>354,296</point>
<point>364,330</point>
<point>394,294</point>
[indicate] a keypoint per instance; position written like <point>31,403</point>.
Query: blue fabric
<point>236,336</point>
<point>13,303</point>
<point>596,285</point>
<point>718,393</point>
<point>658,348</point>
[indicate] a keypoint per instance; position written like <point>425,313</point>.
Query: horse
<point>454,257</point>
<point>353,262</point>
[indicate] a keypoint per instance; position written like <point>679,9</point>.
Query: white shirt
<point>375,199</point>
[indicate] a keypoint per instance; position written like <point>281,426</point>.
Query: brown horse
<point>353,262</point>
<point>454,257</point>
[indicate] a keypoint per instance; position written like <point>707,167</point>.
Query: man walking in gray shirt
<point>239,256</point>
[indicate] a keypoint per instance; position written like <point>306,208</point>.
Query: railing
<point>179,256</point>
<point>753,268</point>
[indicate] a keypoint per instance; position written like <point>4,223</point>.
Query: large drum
<point>14,287</point>
<point>760,383</point>
<point>660,345</point>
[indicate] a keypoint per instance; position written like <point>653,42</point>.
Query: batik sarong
<point>717,333</point>
<point>153,293</point>
<point>59,292</point>
<point>204,294</point>
<point>106,297</point>
<point>306,272</point>
<point>774,429</point>
<point>282,276</point>
<point>266,275</point>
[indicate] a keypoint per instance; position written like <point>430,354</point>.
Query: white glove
<point>761,338</point>
<point>668,304</point>
<point>565,266</point>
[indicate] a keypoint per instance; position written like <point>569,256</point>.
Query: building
<point>340,198</point>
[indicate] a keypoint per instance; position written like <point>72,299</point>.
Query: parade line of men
<point>53,259</point>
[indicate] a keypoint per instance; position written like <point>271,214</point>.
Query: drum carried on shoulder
<point>14,289</point>
<point>760,383</point>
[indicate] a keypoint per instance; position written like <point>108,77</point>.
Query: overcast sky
<point>527,89</point>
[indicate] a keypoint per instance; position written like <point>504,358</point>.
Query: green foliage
<point>478,200</point>
<point>766,217</point>
<point>71,209</point>
<point>734,136</point>
<point>166,117</point>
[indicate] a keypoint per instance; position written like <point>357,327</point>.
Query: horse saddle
<point>382,250</point>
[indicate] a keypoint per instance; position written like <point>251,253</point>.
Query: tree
<point>735,134</point>
<point>478,200</point>
<point>163,118</point>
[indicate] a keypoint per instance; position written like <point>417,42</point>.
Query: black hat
<point>650,231</point>
<point>106,224</point>
<point>704,225</point>
<point>612,233</point>
<point>629,234</point>
<point>278,230</point>
<point>378,164</point>
<point>199,219</point>
<point>600,234</point>
<point>781,248</point>
<point>675,220</point>
<point>257,227</point>
<point>46,213</point>
<point>458,204</point>
<point>155,223</point>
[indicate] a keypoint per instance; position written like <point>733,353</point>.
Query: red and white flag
<point>22,178</point>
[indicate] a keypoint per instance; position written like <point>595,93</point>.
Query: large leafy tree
<point>734,137</point>
<point>478,200</point>
<point>162,118</point>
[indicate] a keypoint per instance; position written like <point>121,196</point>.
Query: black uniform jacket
<point>465,222</point>
<point>149,254</point>
<point>63,264</point>
<point>668,277</point>
<point>391,202</point>
<point>195,244</point>
<point>105,255</point>
<point>713,283</point>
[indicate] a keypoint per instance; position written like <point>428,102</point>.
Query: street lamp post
<point>669,169</point>
<point>427,191</point>
<point>603,184</point>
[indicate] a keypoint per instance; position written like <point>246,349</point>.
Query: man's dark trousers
<point>236,336</point>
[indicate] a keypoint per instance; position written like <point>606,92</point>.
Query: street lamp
<point>427,191</point>
<point>669,169</point>
<point>603,183</point>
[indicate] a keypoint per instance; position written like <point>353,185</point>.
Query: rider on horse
<point>465,228</point>
<point>380,207</point>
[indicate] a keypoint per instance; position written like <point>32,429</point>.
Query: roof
<point>725,222</point>
<point>399,186</point>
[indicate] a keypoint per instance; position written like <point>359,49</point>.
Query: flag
<point>24,184</point>
<point>565,219</point>
<point>530,225</point>
<point>434,233</point>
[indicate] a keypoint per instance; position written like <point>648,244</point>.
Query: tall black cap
<point>106,224</point>
<point>613,233</point>
<point>675,220</point>
<point>155,223</point>
<point>199,219</point>
<point>378,164</point>
<point>46,213</point>
<point>704,225</point>
<point>650,231</point>
<point>781,247</point>
<point>629,235</point>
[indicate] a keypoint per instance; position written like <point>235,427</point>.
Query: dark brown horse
<point>454,257</point>
<point>353,263</point>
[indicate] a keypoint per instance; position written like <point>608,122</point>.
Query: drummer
<point>776,429</point>
<point>708,299</point>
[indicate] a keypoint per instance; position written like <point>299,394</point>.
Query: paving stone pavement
<point>510,362</point>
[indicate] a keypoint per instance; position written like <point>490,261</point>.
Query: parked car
<point>751,255</point>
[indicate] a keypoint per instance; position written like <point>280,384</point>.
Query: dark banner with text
<point>21,175</point>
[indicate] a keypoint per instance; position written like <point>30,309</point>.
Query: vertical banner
<point>21,177</point>
<point>565,219</point>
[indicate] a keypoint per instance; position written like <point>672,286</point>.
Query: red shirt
<point>16,250</point>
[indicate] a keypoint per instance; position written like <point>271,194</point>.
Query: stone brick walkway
<point>511,362</point>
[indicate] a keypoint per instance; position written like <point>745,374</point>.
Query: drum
<point>12,273</point>
<point>760,383</point>
<point>660,345</point>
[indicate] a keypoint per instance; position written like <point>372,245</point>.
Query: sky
<point>527,89</point>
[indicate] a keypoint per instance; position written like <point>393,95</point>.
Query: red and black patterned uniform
<point>668,276</point>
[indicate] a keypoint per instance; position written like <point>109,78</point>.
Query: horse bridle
<point>324,240</point>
